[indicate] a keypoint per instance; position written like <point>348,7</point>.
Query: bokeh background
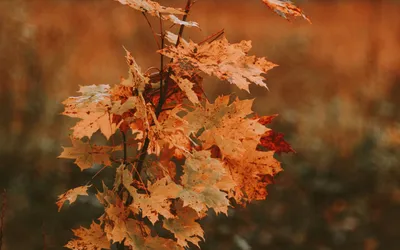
<point>337,93</point>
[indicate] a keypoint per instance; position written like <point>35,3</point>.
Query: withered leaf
<point>285,8</point>
<point>71,196</point>
<point>204,181</point>
<point>184,227</point>
<point>93,238</point>
<point>155,9</point>
<point>86,155</point>
<point>220,58</point>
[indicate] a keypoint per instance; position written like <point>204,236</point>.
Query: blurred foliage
<point>337,92</point>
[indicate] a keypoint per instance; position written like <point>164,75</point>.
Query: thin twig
<point>152,30</point>
<point>124,142</point>
<point>189,4</point>
<point>143,152</point>
<point>163,85</point>
<point>213,37</point>
<point>161,101</point>
<point>2,216</point>
<point>121,246</point>
<point>44,237</point>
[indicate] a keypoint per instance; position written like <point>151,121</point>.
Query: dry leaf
<point>226,61</point>
<point>203,179</point>
<point>252,173</point>
<point>184,227</point>
<point>155,9</point>
<point>158,199</point>
<point>93,108</point>
<point>86,155</point>
<point>71,196</point>
<point>93,238</point>
<point>136,78</point>
<point>284,8</point>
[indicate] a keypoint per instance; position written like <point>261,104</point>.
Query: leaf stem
<point>152,30</point>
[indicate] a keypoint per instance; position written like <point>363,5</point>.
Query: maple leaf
<point>184,227</point>
<point>155,9</point>
<point>226,61</point>
<point>186,86</point>
<point>169,133</point>
<point>226,125</point>
<point>136,78</point>
<point>93,108</point>
<point>106,197</point>
<point>173,38</point>
<point>272,140</point>
<point>114,220</point>
<point>252,173</point>
<point>86,155</point>
<point>138,237</point>
<point>93,238</point>
<point>158,199</point>
<point>275,141</point>
<point>203,179</point>
<point>284,8</point>
<point>71,196</point>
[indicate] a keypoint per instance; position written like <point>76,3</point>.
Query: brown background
<point>337,91</point>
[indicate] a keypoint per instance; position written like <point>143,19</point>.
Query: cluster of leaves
<point>192,155</point>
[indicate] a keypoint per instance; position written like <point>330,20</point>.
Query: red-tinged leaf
<point>285,8</point>
<point>275,141</point>
<point>71,196</point>
<point>265,120</point>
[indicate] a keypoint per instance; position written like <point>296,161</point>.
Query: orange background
<point>337,92</point>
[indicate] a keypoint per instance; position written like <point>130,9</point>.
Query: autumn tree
<point>190,155</point>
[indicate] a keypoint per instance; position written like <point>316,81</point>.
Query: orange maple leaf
<point>220,58</point>
<point>155,9</point>
<point>93,238</point>
<point>184,227</point>
<point>71,196</point>
<point>284,8</point>
<point>86,155</point>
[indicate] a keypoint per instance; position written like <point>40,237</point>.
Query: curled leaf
<point>285,8</point>
<point>157,10</point>
<point>71,196</point>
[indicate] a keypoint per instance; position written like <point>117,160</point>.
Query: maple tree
<point>192,154</point>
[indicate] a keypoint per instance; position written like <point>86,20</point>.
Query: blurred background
<point>337,93</point>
